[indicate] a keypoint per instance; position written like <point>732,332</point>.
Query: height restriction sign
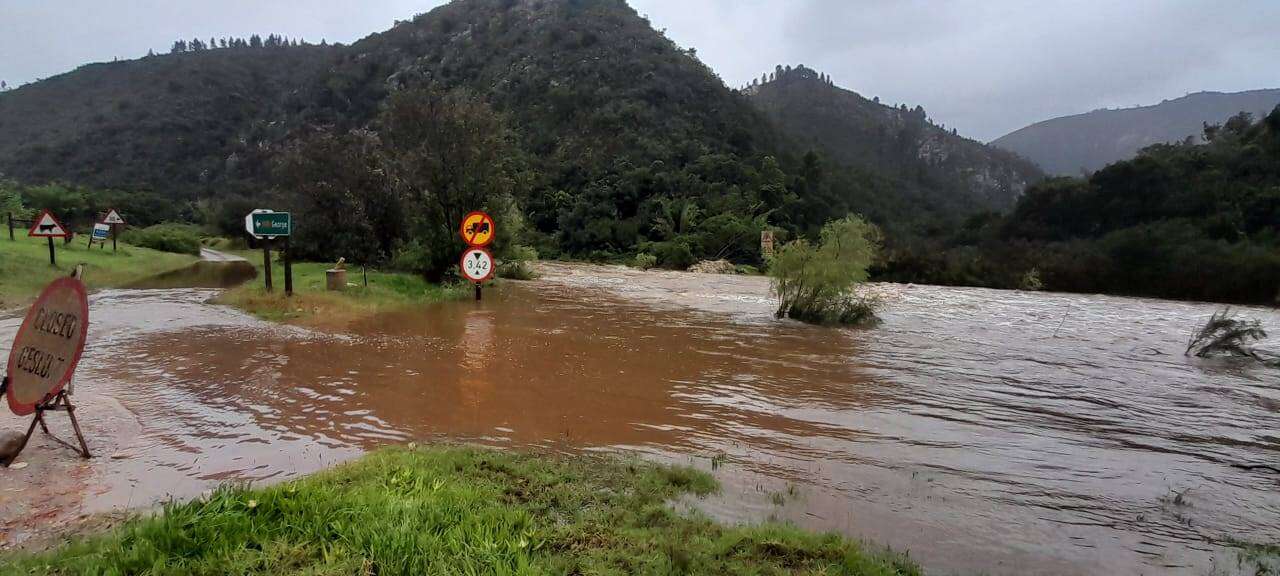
<point>477,229</point>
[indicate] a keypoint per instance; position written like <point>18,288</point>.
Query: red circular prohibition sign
<point>69,294</point>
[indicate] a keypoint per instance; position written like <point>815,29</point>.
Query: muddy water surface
<point>990,431</point>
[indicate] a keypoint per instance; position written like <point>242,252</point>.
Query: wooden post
<point>288,269</point>
<point>53,261</point>
<point>113,238</point>
<point>11,239</point>
<point>266,261</point>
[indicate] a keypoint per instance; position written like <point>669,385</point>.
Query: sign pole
<point>53,261</point>
<point>477,291</point>
<point>11,238</point>
<point>113,238</point>
<point>266,261</point>
<point>288,269</point>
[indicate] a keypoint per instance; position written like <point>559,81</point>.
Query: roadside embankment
<point>25,268</point>
<point>312,305</point>
<point>459,510</point>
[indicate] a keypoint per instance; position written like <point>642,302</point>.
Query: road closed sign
<point>477,229</point>
<point>477,264</point>
<point>48,345</point>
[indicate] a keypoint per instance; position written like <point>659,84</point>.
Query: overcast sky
<point>985,67</point>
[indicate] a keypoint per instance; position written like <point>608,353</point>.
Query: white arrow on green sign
<point>268,224</point>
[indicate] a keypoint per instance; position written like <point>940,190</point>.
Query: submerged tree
<point>1225,334</point>
<point>819,284</point>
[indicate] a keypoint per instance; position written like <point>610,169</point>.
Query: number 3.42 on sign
<point>477,265</point>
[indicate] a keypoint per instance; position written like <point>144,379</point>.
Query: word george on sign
<point>45,353</point>
<point>47,226</point>
<point>267,225</point>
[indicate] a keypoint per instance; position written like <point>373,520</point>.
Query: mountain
<point>897,142</point>
<point>1083,143</point>
<point>626,141</point>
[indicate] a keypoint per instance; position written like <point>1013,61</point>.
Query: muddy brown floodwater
<point>988,431</point>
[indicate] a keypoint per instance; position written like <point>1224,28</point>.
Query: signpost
<point>477,230</point>
<point>99,235</point>
<point>44,357</point>
<point>267,225</point>
<point>47,226</point>
<point>113,219</point>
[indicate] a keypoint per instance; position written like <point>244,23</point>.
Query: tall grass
<point>458,511</point>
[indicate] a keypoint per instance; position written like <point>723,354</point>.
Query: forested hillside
<point>623,140</point>
<point>1192,221</point>
<point>945,169</point>
<point>1075,145</point>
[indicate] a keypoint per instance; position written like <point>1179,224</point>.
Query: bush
<point>673,254</point>
<point>819,284</point>
<point>170,237</point>
<point>517,265</point>
<point>644,261</point>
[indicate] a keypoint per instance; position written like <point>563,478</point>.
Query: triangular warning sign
<point>113,217</point>
<point>46,226</point>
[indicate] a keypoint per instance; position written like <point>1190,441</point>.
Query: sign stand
<point>266,262</point>
<point>60,403</point>
<point>267,225</point>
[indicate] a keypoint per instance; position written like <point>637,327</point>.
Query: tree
<point>447,154</point>
<point>336,183</point>
<point>819,283</point>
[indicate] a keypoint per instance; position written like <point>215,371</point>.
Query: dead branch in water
<point>1225,334</point>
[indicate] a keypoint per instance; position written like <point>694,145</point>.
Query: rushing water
<point>993,431</point>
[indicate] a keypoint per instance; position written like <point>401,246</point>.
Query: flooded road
<point>992,431</point>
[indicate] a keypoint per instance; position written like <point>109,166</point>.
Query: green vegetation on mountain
<point>1190,221</point>
<point>943,171</point>
<point>609,139</point>
<point>591,135</point>
<point>1083,143</point>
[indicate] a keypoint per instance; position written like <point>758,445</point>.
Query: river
<point>984,431</point>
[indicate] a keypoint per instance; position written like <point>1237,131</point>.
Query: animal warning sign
<point>477,229</point>
<point>113,217</point>
<point>46,226</point>
<point>48,345</point>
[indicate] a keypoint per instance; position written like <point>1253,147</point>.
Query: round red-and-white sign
<point>476,264</point>
<point>48,345</point>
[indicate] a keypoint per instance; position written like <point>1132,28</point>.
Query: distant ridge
<point>1083,143</point>
<point>896,141</point>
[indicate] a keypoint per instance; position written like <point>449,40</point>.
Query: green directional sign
<point>269,224</point>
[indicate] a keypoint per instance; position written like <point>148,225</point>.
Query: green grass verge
<point>458,510</point>
<point>25,269</point>
<point>312,304</point>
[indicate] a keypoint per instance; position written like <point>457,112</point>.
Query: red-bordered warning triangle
<point>113,217</point>
<point>46,226</point>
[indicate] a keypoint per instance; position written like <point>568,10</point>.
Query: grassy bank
<point>456,510</point>
<point>313,305</point>
<point>25,269</point>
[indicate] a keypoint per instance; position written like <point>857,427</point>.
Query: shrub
<point>170,237</point>
<point>517,265</point>
<point>819,284</point>
<point>644,261</point>
<point>673,254</point>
